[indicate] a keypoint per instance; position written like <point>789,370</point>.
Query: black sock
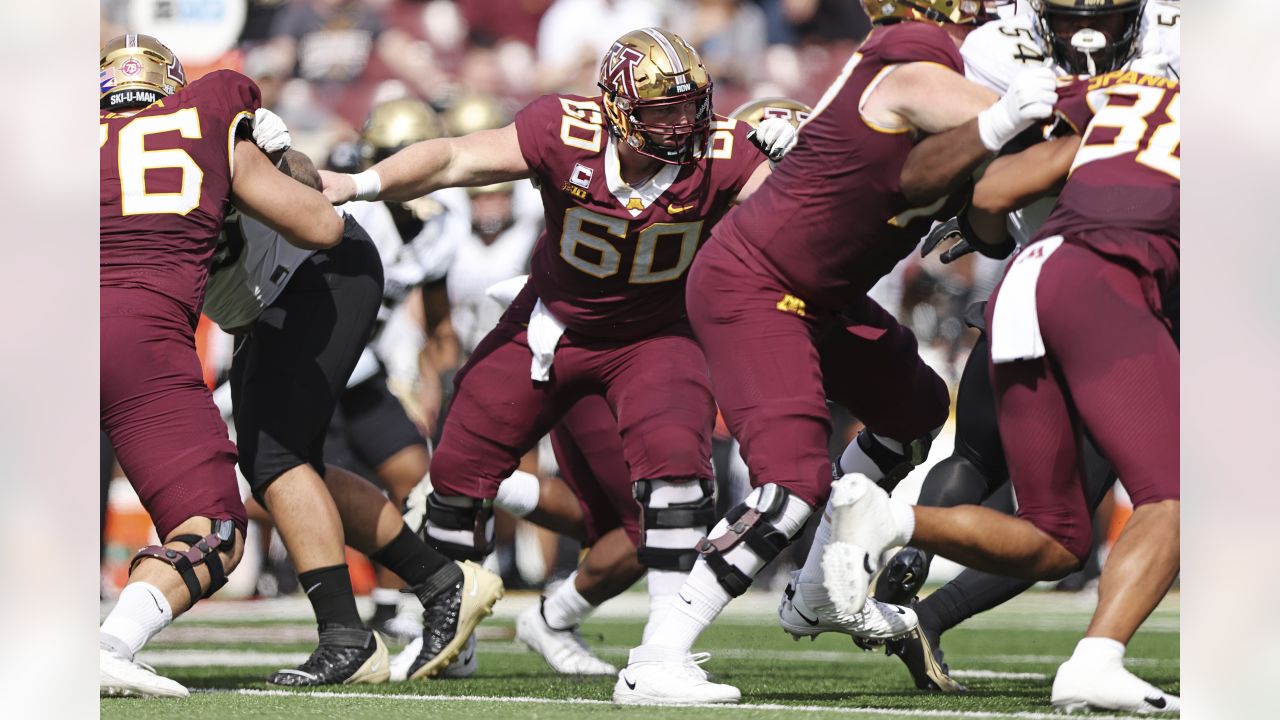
<point>331,596</point>
<point>970,593</point>
<point>421,566</point>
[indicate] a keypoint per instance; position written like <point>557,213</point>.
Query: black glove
<point>949,230</point>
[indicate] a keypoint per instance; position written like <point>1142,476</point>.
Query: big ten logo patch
<point>579,181</point>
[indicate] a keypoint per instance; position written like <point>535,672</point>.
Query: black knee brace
<point>695,517</point>
<point>752,526</point>
<point>459,527</point>
<point>203,550</point>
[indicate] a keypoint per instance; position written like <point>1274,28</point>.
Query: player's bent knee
<point>459,527</point>
<point>219,551</point>
<point>676,515</point>
<point>752,534</point>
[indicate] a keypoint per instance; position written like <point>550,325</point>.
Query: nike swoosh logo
<point>313,587</point>
<point>630,685</point>
<point>475,587</point>
<point>686,600</point>
<point>1156,702</point>
<point>866,563</point>
<point>812,622</point>
<point>470,656</point>
<point>900,610</point>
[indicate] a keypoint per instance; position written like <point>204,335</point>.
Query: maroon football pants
<point>774,363</point>
<point>1111,370</point>
<point>657,389</point>
<point>591,456</point>
<point>167,433</point>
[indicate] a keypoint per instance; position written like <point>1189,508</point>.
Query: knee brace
<point>675,517</point>
<point>891,459</point>
<point>459,527</point>
<point>203,550</point>
<point>751,535</point>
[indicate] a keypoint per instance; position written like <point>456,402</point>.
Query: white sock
<point>855,460</point>
<point>141,612</point>
<point>566,608</point>
<point>1099,651</point>
<point>386,596</point>
<point>695,606</point>
<point>663,586</point>
<point>518,494</point>
<point>812,570</point>
<point>904,516</point>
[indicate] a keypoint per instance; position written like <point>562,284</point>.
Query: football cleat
<point>564,650</point>
<point>118,677</point>
<point>464,667</point>
<point>902,577</point>
<point>667,678</point>
<point>921,652</point>
<point>451,618</point>
<point>1081,686</point>
<point>876,623</point>
<point>332,664</point>
<point>863,527</point>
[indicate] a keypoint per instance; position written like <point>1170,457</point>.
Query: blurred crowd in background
<point>323,64</point>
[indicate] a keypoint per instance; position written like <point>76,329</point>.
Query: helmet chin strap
<point>1089,41</point>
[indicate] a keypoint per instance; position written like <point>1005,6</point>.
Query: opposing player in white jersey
<point>1135,34</point>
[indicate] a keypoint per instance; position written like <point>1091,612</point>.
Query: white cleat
<point>564,650</point>
<point>877,622</point>
<point>863,530</point>
<point>463,667</point>
<point>656,676</point>
<point>1079,687</point>
<point>118,677</point>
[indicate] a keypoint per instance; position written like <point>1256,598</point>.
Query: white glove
<point>1031,97</point>
<point>269,132</point>
<point>774,136</point>
<point>1155,64</point>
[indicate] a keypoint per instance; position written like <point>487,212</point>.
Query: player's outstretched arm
<point>481,158</point>
<point>940,164</point>
<point>1015,181</point>
<point>301,215</point>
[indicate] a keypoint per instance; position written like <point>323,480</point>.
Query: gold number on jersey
<point>582,126</point>
<point>1159,152</point>
<point>722,139</point>
<point>606,259</point>
<point>134,160</point>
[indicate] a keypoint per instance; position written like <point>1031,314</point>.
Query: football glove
<point>949,230</point>
<point>774,136</point>
<point>1031,97</point>
<point>269,132</point>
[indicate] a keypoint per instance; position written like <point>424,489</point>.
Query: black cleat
<point>922,655</point>
<point>339,661</point>
<point>902,577</point>
<point>451,616</point>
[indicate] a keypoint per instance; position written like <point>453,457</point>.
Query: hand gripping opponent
<point>203,550</point>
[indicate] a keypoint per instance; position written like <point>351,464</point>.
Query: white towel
<point>544,333</point>
<point>1015,322</point>
<point>505,292</point>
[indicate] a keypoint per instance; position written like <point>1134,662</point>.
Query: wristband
<point>368,185</point>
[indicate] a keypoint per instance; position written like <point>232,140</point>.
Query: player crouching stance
<point>1079,346</point>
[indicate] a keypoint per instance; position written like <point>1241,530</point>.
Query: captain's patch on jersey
<point>581,176</point>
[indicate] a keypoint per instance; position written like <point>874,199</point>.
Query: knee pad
<point>459,527</point>
<point>751,535</point>
<point>203,550</point>
<point>675,517</point>
<point>888,460</point>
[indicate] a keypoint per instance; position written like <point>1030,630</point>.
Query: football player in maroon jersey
<point>1079,345</point>
<point>172,156</point>
<point>778,301</point>
<point>632,181</point>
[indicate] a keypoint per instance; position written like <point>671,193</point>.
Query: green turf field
<point>1006,658</point>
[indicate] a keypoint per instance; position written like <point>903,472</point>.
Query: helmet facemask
<point>674,130</point>
<point>1091,40</point>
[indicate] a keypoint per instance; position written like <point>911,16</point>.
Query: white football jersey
<point>249,272</point>
<point>997,51</point>
<point>476,267</point>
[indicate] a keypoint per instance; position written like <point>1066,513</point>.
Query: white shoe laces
<point>693,665</point>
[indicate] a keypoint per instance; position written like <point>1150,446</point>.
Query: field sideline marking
<point>912,712</point>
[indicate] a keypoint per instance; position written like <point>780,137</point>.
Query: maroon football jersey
<point>1126,176</point>
<point>165,182</point>
<point>832,220</point>
<point>613,259</point>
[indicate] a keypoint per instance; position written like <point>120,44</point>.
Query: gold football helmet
<point>793,111</point>
<point>657,95</point>
<point>1090,37</point>
<point>137,70</point>
<point>473,113</point>
<point>940,12</point>
<point>395,125</point>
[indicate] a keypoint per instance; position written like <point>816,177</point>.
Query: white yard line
<point>908,712</point>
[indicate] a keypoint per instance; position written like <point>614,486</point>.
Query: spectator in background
<point>504,19</point>
<point>575,34</point>
<point>731,36</point>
